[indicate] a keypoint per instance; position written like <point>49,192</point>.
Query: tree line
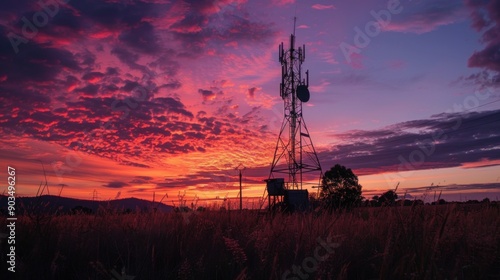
<point>340,190</point>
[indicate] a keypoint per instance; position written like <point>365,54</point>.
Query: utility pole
<point>241,168</point>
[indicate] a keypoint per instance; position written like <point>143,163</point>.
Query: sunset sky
<point>133,97</point>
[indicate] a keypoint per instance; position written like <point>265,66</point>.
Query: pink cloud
<point>484,162</point>
<point>329,57</point>
<point>396,64</point>
<point>418,25</point>
<point>322,7</point>
<point>164,123</point>
<point>233,44</point>
<point>260,99</point>
<point>427,18</point>
<point>356,61</point>
<point>283,2</point>
<point>321,87</point>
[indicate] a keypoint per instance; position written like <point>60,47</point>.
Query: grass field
<point>420,242</point>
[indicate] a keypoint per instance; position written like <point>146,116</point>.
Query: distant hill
<point>51,203</point>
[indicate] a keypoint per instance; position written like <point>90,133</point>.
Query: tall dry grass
<point>421,242</point>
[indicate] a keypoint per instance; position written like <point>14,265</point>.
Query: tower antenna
<point>294,23</point>
<point>295,17</point>
<point>294,156</point>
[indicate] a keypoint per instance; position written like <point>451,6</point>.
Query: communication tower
<point>294,154</point>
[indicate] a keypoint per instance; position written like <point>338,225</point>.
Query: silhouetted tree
<point>366,203</point>
<point>418,202</point>
<point>388,198</point>
<point>474,201</point>
<point>374,201</point>
<point>340,189</point>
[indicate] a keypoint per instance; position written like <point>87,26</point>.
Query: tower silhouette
<point>294,154</point>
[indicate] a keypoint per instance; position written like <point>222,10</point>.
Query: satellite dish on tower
<point>303,93</point>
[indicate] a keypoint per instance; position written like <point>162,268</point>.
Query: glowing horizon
<point>154,97</point>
